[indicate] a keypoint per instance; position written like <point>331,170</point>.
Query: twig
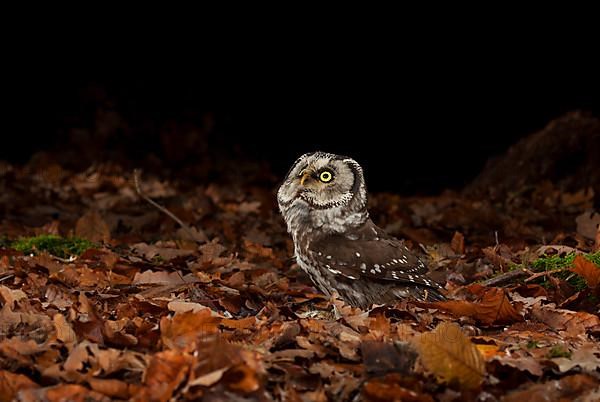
<point>506,277</point>
<point>544,273</point>
<point>6,277</point>
<point>162,209</point>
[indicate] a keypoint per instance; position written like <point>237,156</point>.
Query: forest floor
<point>105,297</point>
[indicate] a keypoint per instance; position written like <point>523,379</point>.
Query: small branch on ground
<point>136,174</point>
<point>545,273</point>
<point>506,277</point>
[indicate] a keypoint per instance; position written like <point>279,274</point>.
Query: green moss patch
<point>55,245</point>
<point>562,262</point>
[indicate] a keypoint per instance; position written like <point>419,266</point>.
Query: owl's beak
<point>305,175</point>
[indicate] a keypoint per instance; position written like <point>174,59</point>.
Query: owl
<point>323,200</point>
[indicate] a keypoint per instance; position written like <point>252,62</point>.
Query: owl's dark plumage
<point>324,203</point>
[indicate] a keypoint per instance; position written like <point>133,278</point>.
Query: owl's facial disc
<point>321,181</point>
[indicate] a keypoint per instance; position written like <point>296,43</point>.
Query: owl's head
<point>323,182</point>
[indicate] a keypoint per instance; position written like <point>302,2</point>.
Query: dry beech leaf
<point>9,296</point>
<point>209,379</point>
<point>451,356</point>
<point>63,392</point>
<point>64,331</point>
<point>386,389</point>
<point>166,372</point>
<point>166,253</point>
<point>110,387</point>
<point>493,308</point>
<point>588,270</point>
<point>11,384</point>
<point>575,323</point>
<point>586,357</point>
<point>565,389</point>
<point>92,227</point>
<point>457,244</point>
<point>588,224</point>
<point>157,278</point>
<point>180,306</point>
<point>186,330</point>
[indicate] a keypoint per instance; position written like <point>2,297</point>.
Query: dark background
<point>413,131</point>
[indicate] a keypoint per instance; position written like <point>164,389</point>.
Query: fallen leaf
<point>166,372</point>
<point>390,388</point>
<point>242,378</point>
<point>521,363</point>
<point>587,269</point>
<point>166,253</point>
<point>493,308</point>
<point>566,389</point>
<point>61,393</point>
<point>586,357</point>
<point>573,323</point>
<point>457,244</point>
<point>58,297</point>
<point>451,356</point>
<point>157,278</point>
<point>381,357</point>
<point>179,306</point>
<point>92,227</point>
<point>211,250</point>
<point>186,330</point>
<point>64,331</point>
<point>11,384</point>
<point>588,224</point>
<point>10,296</point>
<point>242,323</point>
<point>110,387</point>
<point>209,379</point>
<point>257,250</point>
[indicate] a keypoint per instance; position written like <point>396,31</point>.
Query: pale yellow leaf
<point>451,356</point>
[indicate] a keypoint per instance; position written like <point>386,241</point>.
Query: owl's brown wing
<point>378,256</point>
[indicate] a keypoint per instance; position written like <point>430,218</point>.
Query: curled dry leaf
<point>186,330</point>
<point>166,372</point>
<point>64,331</point>
<point>451,356</point>
<point>9,296</point>
<point>110,387</point>
<point>493,308</point>
<point>588,270</point>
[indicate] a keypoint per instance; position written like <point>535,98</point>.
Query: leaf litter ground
<point>104,297</point>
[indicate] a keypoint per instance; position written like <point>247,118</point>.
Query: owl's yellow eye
<point>325,176</point>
